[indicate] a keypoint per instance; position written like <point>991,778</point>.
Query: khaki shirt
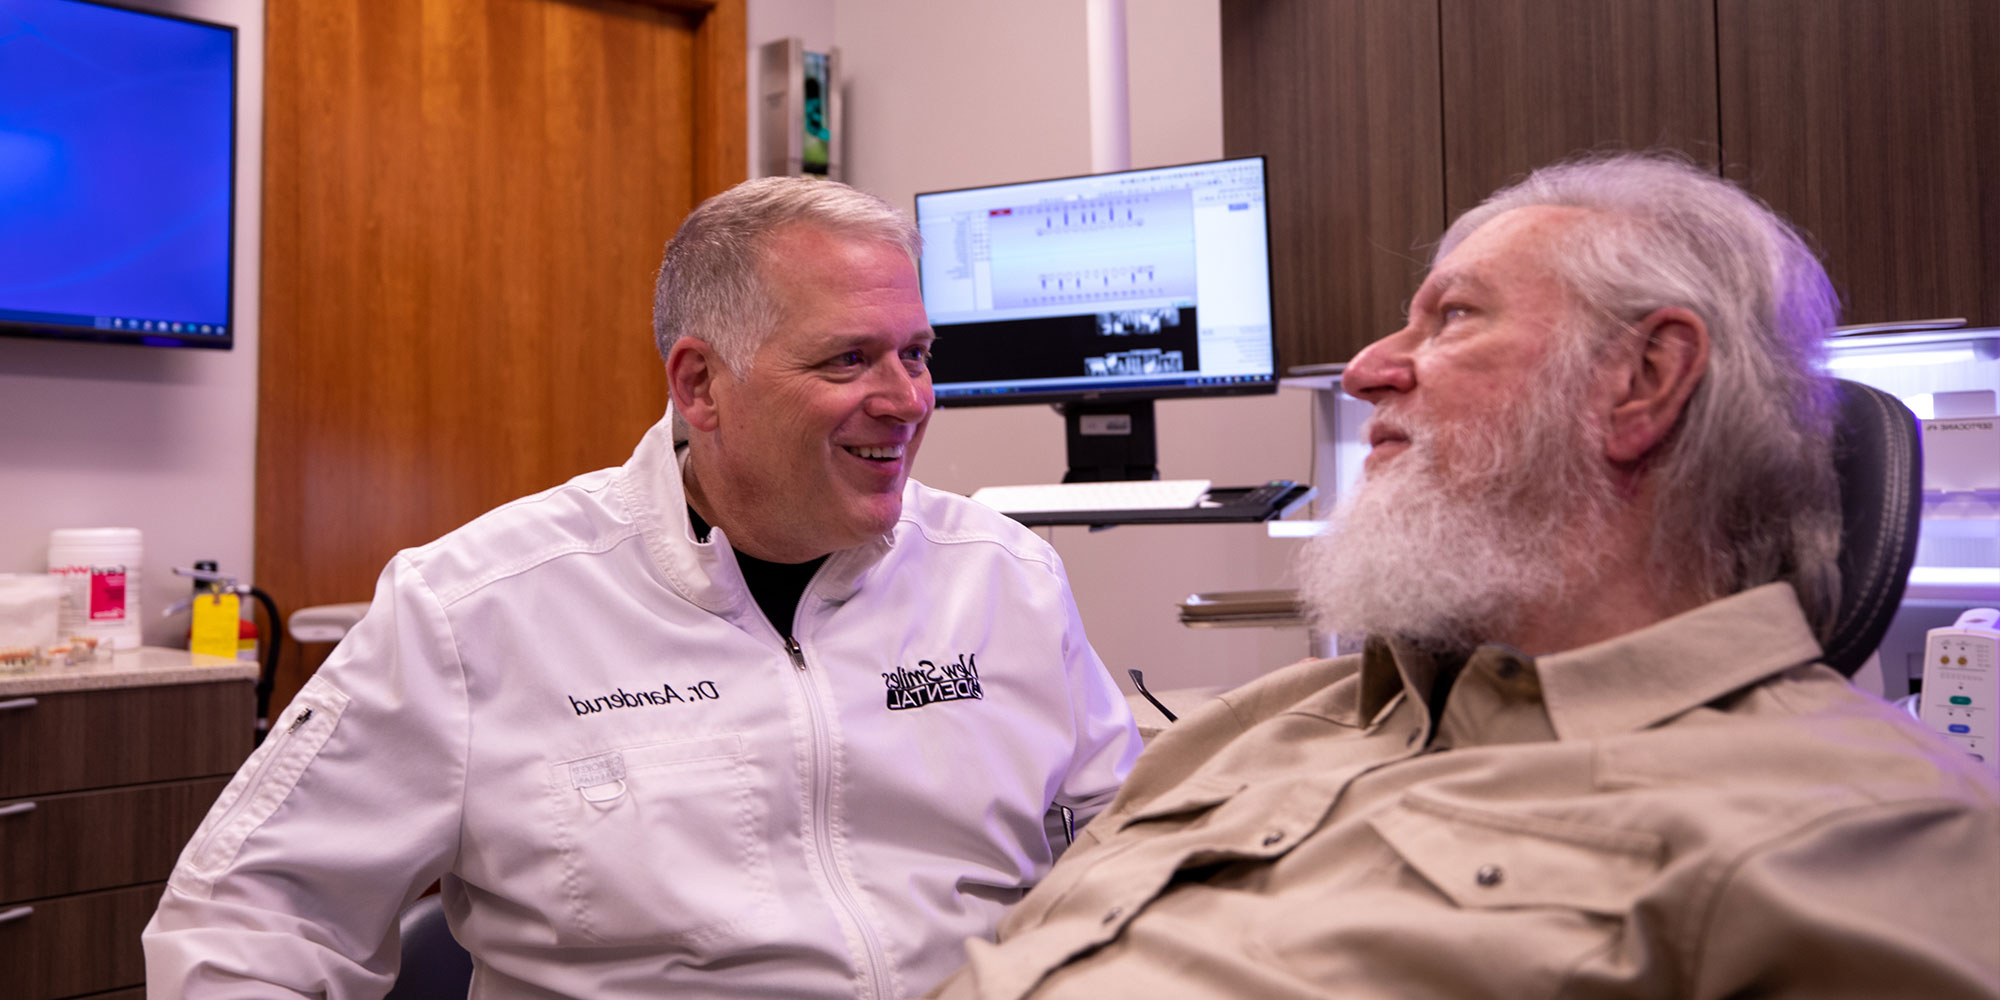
<point>1695,809</point>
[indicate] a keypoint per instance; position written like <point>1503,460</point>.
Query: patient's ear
<point>692,369</point>
<point>1668,358</point>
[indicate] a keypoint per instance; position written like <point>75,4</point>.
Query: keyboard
<point>1124,494</point>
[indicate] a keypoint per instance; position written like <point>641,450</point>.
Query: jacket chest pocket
<point>663,843</point>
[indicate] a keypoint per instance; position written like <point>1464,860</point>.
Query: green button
<point>1959,699</point>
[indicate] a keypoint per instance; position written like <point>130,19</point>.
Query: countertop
<point>142,667</point>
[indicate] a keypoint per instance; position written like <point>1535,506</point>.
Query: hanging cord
<point>1139,681</point>
<point>269,674</point>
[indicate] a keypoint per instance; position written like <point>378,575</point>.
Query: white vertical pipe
<point>1110,90</point>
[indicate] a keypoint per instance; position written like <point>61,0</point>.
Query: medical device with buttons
<point>1962,683</point>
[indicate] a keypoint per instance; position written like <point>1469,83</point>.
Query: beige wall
<point>944,95</point>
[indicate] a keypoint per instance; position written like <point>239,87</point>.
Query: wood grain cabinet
<point>99,789</point>
<point>1873,124</point>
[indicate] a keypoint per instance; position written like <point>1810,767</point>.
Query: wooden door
<point>465,202</point>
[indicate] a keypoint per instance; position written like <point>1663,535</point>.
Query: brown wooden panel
<point>1342,97</point>
<point>1875,125</point>
<point>86,841</point>
<point>78,944</point>
<point>1530,82</point>
<point>465,203</point>
<point>80,740</point>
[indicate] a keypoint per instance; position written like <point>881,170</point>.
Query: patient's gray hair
<point>1747,493</point>
<point>712,281</point>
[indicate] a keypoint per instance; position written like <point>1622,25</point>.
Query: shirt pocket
<point>1186,802</point>
<point>1486,860</point>
<point>1517,902</point>
<point>260,786</point>
<point>664,843</point>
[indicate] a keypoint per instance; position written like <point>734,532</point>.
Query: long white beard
<point>1450,558</point>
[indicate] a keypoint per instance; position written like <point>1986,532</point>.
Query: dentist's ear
<point>692,367</point>
<point>1668,359</point>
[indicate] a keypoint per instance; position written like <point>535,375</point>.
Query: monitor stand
<point>1109,441</point>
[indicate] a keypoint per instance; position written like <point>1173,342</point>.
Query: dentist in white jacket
<point>756,716</point>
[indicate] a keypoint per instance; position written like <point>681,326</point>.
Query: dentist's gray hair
<point>712,281</point>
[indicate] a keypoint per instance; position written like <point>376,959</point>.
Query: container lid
<point>94,536</point>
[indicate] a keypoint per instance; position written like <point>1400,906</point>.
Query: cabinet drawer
<point>77,944</point>
<point>78,740</point>
<point>62,844</point>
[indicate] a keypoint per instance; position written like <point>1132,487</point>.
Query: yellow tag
<point>215,625</point>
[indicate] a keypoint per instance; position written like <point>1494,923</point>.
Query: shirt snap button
<point>1412,738</point>
<point>1113,915</point>
<point>1488,876</point>
<point>1273,837</point>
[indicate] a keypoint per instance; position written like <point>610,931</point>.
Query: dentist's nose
<point>900,396</point>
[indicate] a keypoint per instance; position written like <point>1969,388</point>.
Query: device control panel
<point>1961,695</point>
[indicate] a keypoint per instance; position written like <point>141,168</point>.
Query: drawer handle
<point>17,913</point>
<point>17,703</point>
<point>16,809</point>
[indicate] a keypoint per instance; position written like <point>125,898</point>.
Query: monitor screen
<point>117,157</point>
<point>1139,284</point>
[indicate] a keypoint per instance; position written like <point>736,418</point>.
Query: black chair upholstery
<point>1878,458</point>
<point>435,965</point>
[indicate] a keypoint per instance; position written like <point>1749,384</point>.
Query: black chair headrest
<point>1878,458</point>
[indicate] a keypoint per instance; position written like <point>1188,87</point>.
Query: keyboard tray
<point>1216,509</point>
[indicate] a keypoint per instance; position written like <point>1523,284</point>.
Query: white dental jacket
<point>632,785</point>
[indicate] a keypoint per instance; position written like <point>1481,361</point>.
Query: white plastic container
<point>100,571</point>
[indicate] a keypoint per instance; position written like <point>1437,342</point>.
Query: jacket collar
<point>706,573</point>
<point>1634,680</point>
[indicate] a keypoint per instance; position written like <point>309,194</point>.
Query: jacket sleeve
<point>1107,741</point>
<point>1898,899</point>
<point>349,809</point>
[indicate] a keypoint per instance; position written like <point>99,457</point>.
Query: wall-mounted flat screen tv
<point>117,174</point>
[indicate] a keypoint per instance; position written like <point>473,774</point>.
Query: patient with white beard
<point>1588,748</point>
<point>1442,554</point>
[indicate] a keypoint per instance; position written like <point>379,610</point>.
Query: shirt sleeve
<point>293,883</point>
<point>1900,899</point>
<point>1107,740</point>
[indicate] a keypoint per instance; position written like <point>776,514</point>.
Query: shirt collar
<point>699,570</point>
<point>1652,674</point>
<point>1634,680</point>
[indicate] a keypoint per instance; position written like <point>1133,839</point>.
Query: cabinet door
<point>1341,97</point>
<point>79,740</point>
<point>1530,82</point>
<point>82,841</point>
<point>1874,125</point>
<point>76,944</point>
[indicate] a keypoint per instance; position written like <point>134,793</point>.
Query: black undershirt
<point>776,587</point>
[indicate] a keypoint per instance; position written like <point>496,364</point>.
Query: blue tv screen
<point>117,174</point>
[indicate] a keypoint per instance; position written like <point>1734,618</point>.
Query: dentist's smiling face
<point>814,442</point>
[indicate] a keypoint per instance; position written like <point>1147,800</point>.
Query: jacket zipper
<point>822,838</point>
<point>276,742</point>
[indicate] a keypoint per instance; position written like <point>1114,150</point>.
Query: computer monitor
<point>1101,294</point>
<point>117,172</point>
